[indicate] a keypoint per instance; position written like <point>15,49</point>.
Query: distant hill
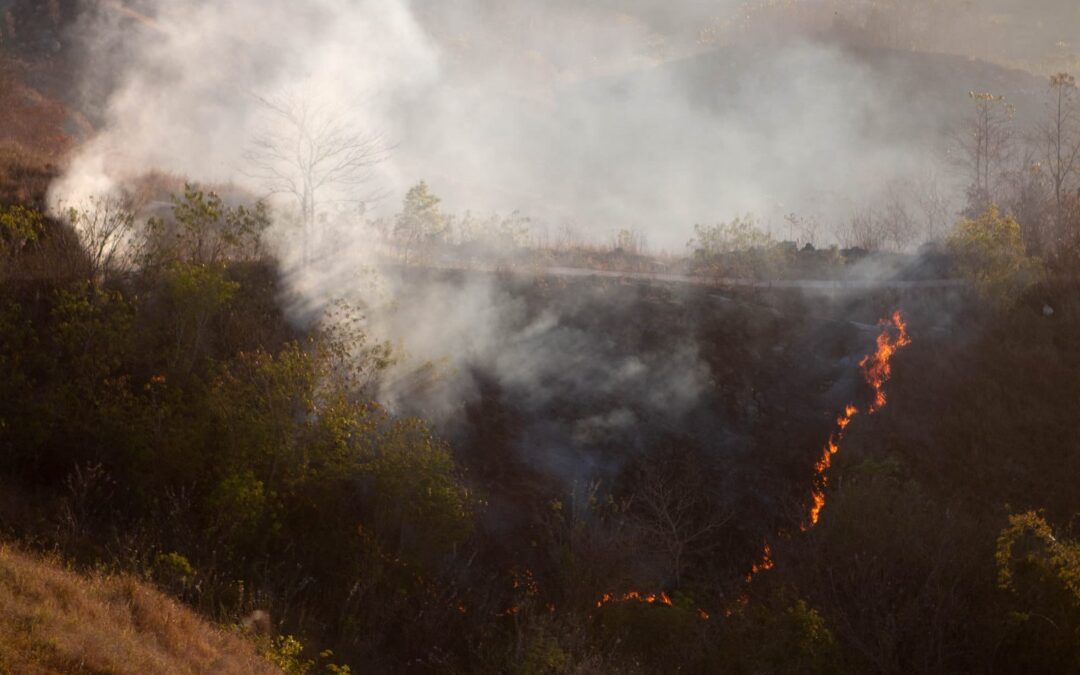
<point>919,85</point>
<point>55,621</point>
<point>768,127</point>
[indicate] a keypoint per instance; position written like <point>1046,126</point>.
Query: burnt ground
<point>742,386</point>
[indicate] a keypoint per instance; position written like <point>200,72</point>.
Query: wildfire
<point>525,589</point>
<point>766,563</point>
<point>876,369</point>
<point>650,598</point>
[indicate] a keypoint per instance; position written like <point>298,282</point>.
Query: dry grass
<point>25,175</point>
<point>55,621</point>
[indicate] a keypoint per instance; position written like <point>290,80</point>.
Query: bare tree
<point>1028,198</point>
<point>985,145</point>
<point>897,223</point>
<point>1060,133</point>
<point>802,230</point>
<point>933,205</point>
<point>308,150</point>
<point>675,512</point>
<point>862,230</point>
<point>105,227</point>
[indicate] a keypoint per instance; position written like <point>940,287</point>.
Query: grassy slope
<point>55,621</point>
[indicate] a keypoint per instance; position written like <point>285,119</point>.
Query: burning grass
<point>876,369</point>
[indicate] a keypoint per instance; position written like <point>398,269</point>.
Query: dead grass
<point>56,621</point>
<point>25,175</point>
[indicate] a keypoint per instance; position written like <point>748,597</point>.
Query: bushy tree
<point>989,252</point>
<point>737,249</point>
<point>204,230</point>
<point>420,223</point>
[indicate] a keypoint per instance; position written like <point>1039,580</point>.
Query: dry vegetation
<point>55,621</point>
<point>165,418</point>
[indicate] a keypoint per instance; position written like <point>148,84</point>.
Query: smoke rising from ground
<point>596,117</point>
<point>577,115</point>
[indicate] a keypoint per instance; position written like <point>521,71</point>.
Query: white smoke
<point>570,112</point>
<point>188,79</point>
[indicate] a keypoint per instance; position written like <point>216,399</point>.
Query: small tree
<point>420,223</point>
<point>990,253</point>
<point>739,249</point>
<point>20,228</point>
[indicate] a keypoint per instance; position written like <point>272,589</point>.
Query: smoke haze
<point>646,115</point>
<point>651,116</point>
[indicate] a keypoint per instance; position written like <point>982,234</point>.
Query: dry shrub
<point>55,621</point>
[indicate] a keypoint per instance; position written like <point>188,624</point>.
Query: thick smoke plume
<point>575,114</point>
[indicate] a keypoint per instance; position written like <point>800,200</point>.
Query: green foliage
<point>741,234</point>
<point>648,629</point>
<point>199,289</point>
<point>174,571</point>
<point>91,332</point>
<point>1028,548</point>
<point>417,497</point>
<point>782,637</point>
<point>1041,575</point>
<point>19,227</point>
<point>346,352</point>
<point>287,653</point>
<point>196,295</point>
<point>804,641</point>
<point>204,230</point>
<point>738,249</point>
<point>420,224</point>
<point>989,252</point>
<point>238,503</point>
<point>237,446</point>
<point>541,654</point>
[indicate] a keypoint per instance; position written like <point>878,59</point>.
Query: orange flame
<point>876,369</point>
<point>650,599</point>
<point>766,563</point>
<point>525,588</point>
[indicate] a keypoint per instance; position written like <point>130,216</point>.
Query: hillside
<point>429,437</point>
<point>55,621</point>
